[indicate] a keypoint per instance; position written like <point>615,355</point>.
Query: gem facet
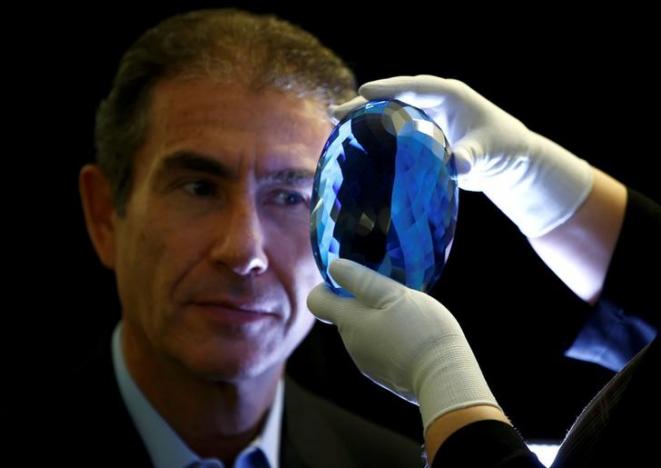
<point>385,195</point>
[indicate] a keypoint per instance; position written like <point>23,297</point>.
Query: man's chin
<point>236,370</point>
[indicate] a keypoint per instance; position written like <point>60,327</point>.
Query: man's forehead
<point>205,103</point>
<point>232,123</point>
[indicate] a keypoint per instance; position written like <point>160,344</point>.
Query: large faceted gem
<point>385,195</point>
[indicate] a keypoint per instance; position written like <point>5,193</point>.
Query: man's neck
<point>215,419</point>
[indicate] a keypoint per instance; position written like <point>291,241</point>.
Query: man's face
<point>213,256</point>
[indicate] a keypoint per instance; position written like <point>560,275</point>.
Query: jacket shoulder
<point>321,426</point>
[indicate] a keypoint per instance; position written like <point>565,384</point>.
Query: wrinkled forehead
<point>203,101</point>
<point>235,124</point>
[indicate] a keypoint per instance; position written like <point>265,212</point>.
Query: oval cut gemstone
<point>385,195</point>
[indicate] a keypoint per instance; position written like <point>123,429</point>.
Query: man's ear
<point>100,213</point>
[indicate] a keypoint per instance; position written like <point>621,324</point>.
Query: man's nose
<point>241,241</point>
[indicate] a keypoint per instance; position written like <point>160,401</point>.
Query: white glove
<point>403,339</point>
<point>536,183</point>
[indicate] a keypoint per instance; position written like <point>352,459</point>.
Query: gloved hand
<point>535,182</point>
<point>402,339</point>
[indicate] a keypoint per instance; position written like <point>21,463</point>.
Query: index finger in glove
<point>343,109</point>
<point>423,90</point>
<point>369,287</point>
<point>328,306</point>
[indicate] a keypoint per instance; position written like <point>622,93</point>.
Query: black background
<point>585,79</point>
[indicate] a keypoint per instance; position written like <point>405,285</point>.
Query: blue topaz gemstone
<point>385,195</point>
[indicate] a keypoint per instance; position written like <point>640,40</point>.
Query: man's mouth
<point>235,313</point>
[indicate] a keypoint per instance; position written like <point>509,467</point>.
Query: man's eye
<point>200,188</point>
<point>289,198</point>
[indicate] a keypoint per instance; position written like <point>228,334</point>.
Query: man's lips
<point>253,307</point>
<point>233,312</point>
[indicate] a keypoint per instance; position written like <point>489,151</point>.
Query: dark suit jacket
<point>92,427</point>
<point>620,427</point>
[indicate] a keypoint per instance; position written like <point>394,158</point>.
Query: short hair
<point>229,45</point>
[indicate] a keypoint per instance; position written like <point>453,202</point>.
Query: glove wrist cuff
<point>449,379</point>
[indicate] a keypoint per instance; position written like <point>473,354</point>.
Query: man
<point>199,202</point>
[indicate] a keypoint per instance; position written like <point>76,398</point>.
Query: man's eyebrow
<point>197,162</point>
<point>191,161</point>
<point>292,176</point>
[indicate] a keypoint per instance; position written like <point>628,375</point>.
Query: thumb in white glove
<point>403,339</point>
<point>536,183</point>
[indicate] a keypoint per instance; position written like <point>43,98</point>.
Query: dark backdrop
<point>583,79</point>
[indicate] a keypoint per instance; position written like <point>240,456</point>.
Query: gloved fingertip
<point>317,303</point>
<point>339,112</point>
<point>373,91</point>
<point>314,295</point>
<point>463,161</point>
<point>341,270</point>
<point>388,87</point>
<point>366,285</point>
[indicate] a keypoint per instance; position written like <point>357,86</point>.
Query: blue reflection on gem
<point>385,195</point>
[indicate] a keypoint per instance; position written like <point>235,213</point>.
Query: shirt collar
<point>165,447</point>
